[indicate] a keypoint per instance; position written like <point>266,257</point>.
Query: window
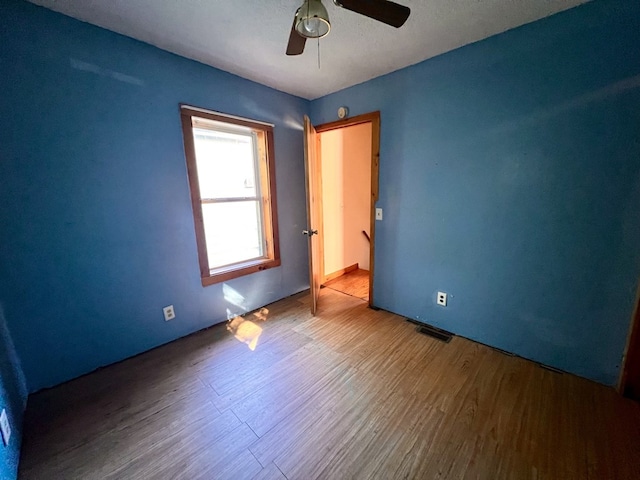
<point>230,164</point>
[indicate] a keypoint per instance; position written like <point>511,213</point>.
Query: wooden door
<point>314,212</point>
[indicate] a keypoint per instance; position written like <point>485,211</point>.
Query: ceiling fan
<point>312,20</point>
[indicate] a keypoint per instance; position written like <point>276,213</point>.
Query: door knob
<point>310,233</point>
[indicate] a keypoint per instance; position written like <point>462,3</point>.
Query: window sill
<point>238,270</point>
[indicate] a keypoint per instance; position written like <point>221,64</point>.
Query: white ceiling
<point>249,37</point>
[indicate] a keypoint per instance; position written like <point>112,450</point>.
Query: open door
<point>314,212</point>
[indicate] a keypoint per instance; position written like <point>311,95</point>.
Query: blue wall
<point>97,231</point>
<point>13,398</point>
<point>510,179</point>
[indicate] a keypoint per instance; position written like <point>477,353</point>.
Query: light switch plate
<point>5,427</point>
<point>378,214</point>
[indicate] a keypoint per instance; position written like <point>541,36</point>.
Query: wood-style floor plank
<point>354,283</point>
<point>351,393</point>
<point>270,472</point>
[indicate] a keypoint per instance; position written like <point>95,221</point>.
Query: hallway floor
<point>355,283</point>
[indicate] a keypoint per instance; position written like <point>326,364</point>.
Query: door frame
<point>374,119</point>
<point>631,355</point>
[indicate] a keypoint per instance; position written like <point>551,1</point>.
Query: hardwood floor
<point>352,393</point>
<point>354,283</point>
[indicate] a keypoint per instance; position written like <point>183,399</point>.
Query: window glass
<point>226,164</point>
<point>233,232</point>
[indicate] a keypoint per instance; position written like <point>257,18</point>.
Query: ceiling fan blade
<point>296,41</point>
<point>382,10</point>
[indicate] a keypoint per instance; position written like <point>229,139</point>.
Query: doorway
<point>345,163</point>
<point>314,199</point>
<point>345,158</point>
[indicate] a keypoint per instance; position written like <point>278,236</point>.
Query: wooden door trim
<point>349,122</point>
<point>632,348</point>
<point>318,176</point>
<point>374,119</point>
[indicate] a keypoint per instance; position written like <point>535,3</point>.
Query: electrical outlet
<point>5,427</point>
<point>442,299</point>
<point>169,313</point>
<point>378,214</point>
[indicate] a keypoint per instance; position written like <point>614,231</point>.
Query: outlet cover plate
<point>169,313</point>
<point>442,299</point>
<point>5,427</point>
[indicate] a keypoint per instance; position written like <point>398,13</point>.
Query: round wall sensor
<point>343,112</point>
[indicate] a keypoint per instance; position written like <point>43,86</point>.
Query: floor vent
<point>436,333</point>
<point>431,331</point>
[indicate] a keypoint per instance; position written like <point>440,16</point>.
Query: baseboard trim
<point>341,272</point>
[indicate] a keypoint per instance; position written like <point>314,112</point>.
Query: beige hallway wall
<point>346,196</point>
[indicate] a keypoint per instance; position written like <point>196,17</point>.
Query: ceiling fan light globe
<point>312,20</point>
<point>313,27</point>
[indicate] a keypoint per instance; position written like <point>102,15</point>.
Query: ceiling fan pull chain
<point>318,53</point>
